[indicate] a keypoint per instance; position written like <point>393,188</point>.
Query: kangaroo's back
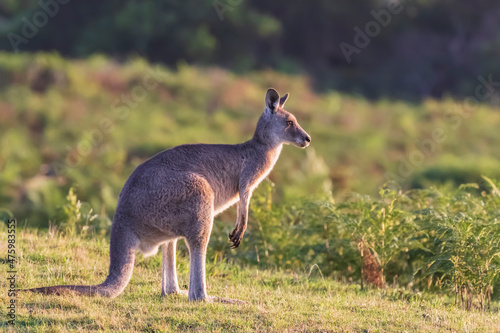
<point>219,164</point>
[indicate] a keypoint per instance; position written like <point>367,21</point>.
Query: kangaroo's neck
<point>273,153</point>
<point>269,150</point>
<point>266,156</point>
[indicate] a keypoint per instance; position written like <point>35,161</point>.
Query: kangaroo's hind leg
<point>190,213</point>
<point>197,243</point>
<point>169,283</point>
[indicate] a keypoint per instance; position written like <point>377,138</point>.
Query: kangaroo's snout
<point>306,141</point>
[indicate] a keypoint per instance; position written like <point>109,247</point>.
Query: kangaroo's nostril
<point>307,138</point>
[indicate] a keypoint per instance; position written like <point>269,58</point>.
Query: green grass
<point>276,300</point>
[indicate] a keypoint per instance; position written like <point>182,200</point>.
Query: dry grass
<point>277,301</point>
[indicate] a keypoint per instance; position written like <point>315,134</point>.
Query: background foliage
<point>431,48</point>
<point>66,123</point>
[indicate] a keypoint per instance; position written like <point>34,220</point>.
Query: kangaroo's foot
<point>200,297</point>
<point>207,298</point>
<point>212,299</point>
<point>224,300</point>
<point>174,292</point>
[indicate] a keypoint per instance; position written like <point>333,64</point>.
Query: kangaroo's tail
<point>122,255</point>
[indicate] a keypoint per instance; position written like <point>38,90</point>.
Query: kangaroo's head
<point>277,126</point>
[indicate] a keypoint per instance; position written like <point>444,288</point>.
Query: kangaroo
<point>176,194</point>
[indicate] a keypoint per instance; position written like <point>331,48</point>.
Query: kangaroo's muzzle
<point>305,142</point>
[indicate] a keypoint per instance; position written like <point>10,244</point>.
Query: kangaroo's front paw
<point>235,237</point>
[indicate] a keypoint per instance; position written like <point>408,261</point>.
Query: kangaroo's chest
<point>226,189</point>
<point>263,171</point>
<point>226,193</point>
<point>222,205</point>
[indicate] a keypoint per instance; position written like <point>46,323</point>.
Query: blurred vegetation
<point>430,48</point>
<point>88,124</point>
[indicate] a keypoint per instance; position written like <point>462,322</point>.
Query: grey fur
<point>177,193</point>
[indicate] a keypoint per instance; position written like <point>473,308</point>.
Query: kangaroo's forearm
<point>241,219</point>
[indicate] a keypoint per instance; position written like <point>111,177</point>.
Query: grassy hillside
<point>277,300</point>
<point>88,124</point>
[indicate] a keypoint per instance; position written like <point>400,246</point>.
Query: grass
<point>276,301</point>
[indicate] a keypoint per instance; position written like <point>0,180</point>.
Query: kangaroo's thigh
<point>185,202</point>
<point>171,209</point>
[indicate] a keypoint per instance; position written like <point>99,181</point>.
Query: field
<point>277,300</point>
<point>388,222</point>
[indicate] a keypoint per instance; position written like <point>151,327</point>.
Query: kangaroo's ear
<point>283,100</point>
<point>272,100</point>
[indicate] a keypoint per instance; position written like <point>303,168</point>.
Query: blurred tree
<point>428,48</point>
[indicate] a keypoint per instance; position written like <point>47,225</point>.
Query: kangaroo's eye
<point>289,123</point>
